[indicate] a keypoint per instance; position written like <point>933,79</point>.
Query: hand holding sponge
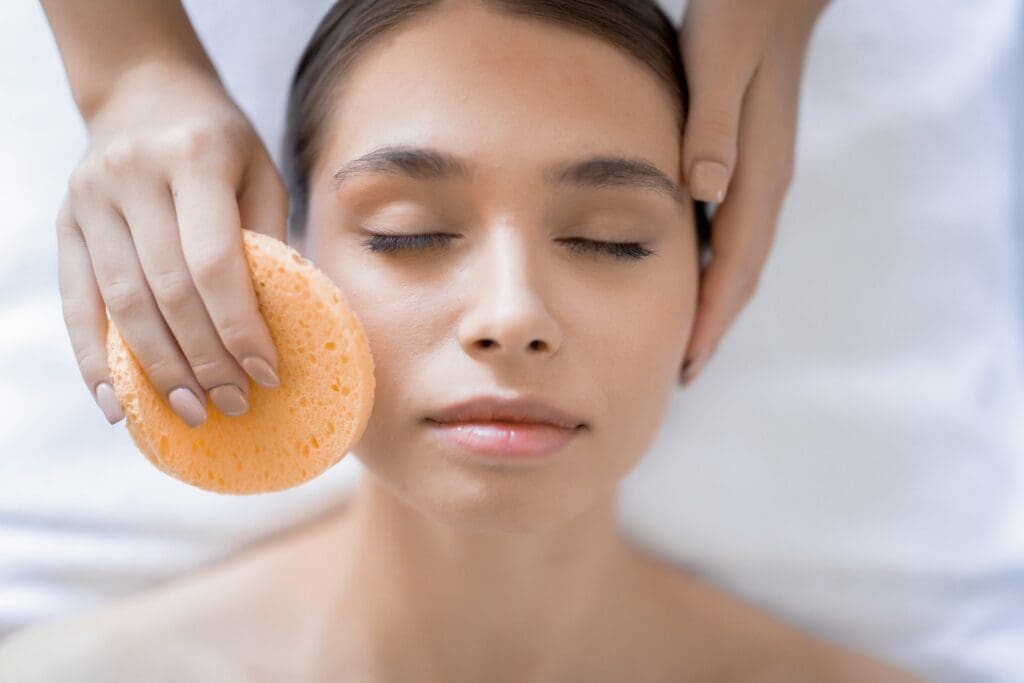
<point>291,433</point>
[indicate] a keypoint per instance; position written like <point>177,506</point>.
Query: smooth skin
<point>149,228</point>
<point>447,566</point>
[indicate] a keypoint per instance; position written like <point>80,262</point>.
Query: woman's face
<point>510,302</point>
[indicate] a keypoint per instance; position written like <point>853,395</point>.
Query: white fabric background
<point>852,458</point>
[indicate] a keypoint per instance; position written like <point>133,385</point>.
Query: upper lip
<point>497,408</point>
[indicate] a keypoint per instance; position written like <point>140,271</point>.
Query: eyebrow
<point>594,172</point>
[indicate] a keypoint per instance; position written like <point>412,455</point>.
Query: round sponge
<point>292,432</point>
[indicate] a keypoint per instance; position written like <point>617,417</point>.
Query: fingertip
<point>709,180</point>
<point>106,399</point>
<point>261,371</point>
<point>692,368</point>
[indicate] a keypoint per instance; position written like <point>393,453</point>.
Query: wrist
<point>141,86</point>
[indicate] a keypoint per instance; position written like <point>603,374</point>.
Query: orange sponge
<point>291,433</point>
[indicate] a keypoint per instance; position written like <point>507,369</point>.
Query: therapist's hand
<point>744,62</point>
<point>150,229</point>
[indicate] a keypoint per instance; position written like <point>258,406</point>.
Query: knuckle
<point>236,335</point>
<point>210,370</point>
<point>122,157</point>
<point>92,363</point>
<point>210,266</point>
<point>123,298</point>
<point>67,228</point>
<point>715,127</point>
<point>84,181</point>
<point>173,289</point>
<point>197,144</point>
<point>166,372</point>
<point>75,311</point>
<point>65,223</point>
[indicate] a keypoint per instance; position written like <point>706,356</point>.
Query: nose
<point>507,313</point>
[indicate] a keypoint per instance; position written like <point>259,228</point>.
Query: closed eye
<point>382,243</point>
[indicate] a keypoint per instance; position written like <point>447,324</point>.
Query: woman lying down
<point>494,186</point>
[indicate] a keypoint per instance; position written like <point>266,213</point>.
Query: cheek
<point>401,322</point>
<point>643,353</point>
<point>638,357</point>
<point>642,330</point>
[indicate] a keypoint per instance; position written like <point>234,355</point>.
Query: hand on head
<point>743,64</point>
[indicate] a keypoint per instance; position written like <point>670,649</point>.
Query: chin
<point>487,495</point>
<point>509,501</point>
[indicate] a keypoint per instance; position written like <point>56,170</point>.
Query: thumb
<point>712,127</point>
<point>263,200</point>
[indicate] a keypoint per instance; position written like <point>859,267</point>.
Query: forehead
<point>506,91</point>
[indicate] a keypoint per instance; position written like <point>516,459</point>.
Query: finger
<point>263,204</point>
<point>744,225</point>
<point>149,211</point>
<point>718,74</point>
<point>211,239</point>
<point>132,308</point>
<point>84,316</point>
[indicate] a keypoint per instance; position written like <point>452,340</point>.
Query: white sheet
<point>852,459</point>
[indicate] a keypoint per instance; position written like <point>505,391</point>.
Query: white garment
<point>852,459</point>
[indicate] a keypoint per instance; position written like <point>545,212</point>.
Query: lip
<point>520,409</point>
<point>518,428</point>
<point>508,439</point>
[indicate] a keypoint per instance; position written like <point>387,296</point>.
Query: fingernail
<point>106,399</point>
<point>692,367</point>
<point>708,181</point>
<point>229,400</point>
<point>187,406</point>
<point>261,371</point>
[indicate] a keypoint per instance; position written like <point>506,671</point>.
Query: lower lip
<point>507,440</point>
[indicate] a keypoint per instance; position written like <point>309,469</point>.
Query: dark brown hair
<point>638,27</point>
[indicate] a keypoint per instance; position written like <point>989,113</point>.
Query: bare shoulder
<point>86,649</point>
<point>155,635</point>
<point>219,624</point>
<point>712,634</point>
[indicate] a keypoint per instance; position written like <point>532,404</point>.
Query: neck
<point>466,603</point>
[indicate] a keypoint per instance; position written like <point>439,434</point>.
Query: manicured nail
<point>187,406</point>
<point>229,400</point>
<point>261,371</point>
<point>106,399</point>
<point>691,368</point>
<point>708,181</point>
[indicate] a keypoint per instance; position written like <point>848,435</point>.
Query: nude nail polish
<point>691,368</point>
<point>708,180</point>
<point>187,406</point>
<point>229,400</point>
<point>261,371</point>
<point>106,399</point>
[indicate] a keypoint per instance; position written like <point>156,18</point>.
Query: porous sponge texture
<point>291,433</point>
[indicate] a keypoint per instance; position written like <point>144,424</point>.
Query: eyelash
<point>625,251</point>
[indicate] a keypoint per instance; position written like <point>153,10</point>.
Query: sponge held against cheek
<point>291,433</point>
